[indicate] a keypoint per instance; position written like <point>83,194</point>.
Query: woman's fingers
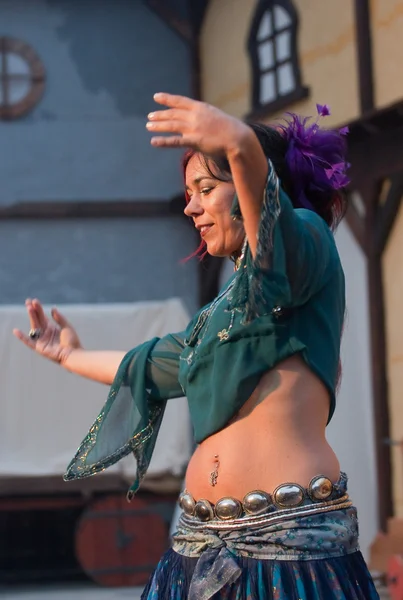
<point>59,318</point>
<point>167,126</point>
<point>174,101</point>
<point>171,114</point>
<point>34,321</point>
<point>24,338</point>
<point>172,141</point>
<point>179,119</point>
<point>40,313</point>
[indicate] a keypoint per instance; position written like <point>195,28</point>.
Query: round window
<point>22,78</point>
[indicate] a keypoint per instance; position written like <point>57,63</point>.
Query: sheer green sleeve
<point>296,254</point>
<point>130,420</point>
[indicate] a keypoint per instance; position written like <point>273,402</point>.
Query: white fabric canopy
<point>46,411</point>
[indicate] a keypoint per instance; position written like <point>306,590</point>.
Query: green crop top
<point>289,299</point>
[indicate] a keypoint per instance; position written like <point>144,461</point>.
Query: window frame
<point>37,77</point>
<point>299,92</point>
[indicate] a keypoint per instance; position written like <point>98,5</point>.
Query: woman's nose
<point>193,207</point>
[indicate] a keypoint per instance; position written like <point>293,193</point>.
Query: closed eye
<point>206,191</point>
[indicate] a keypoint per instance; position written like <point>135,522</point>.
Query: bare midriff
<point>278,436</point>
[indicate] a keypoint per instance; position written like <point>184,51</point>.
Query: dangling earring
<point>237,259</point>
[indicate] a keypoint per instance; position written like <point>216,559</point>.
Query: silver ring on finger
<point>35,334</point>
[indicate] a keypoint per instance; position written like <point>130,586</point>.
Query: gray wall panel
<point>116,260</point>
<point>86,139</point>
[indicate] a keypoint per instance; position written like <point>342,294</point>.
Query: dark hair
<point>331,204</point>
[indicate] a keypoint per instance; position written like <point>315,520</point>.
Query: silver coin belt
<point>288,496</point>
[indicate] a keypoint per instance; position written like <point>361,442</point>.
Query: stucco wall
<point>326,50</point>
<point>86,141</point>
<point>97,260</point>
<point>387,32</point>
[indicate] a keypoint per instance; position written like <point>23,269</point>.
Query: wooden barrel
<point>119,543</point>
<point>395,577</point>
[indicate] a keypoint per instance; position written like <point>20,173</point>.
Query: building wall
<point>327,57</point>
<point>387,31</point>
<point>86,141</point>
<point>225,72</point>
<point>393,294</point>
<point>97,260</point>
<point>327,50</point>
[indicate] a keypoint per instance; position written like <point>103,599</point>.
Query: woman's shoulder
<point>311,218</point>
<point>322,235</point>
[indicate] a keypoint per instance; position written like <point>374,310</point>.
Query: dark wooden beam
<point>364,55</point>
<point>197,11</point>
<point>375,152</point>
<point>195,61</point>
<point>375,121</point>
<point>388,213</point>
<point>180,26</point>
<point>91,209</point>
<point>29,486</point>
<point>54,485</point>
<point>378,358</point>
<point>377,156</point>
<point>357,226</point>
<point>380,390</point>
<point>365,230</point>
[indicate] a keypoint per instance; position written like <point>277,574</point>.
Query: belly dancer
<point>265,512</point>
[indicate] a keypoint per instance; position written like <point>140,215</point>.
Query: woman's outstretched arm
<point>58,341</point>
<point>97,365</point>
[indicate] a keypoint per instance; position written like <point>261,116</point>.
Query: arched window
<point>22,78</point>
<point>273,52</point>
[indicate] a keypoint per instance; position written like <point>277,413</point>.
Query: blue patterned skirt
<point>305,553</point>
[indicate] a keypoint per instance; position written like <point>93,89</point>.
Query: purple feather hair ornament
<point>315,157</point>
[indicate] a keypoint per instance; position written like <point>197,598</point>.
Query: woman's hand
<point>198,125</point>
<point>56,339</point>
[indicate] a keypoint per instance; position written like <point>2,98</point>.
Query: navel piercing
<point>214,474</point>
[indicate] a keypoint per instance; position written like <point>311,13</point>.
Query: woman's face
<point>210,202</point>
